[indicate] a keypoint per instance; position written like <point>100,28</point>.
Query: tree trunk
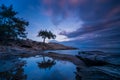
<point>44,40</point>
<point>44,43</point>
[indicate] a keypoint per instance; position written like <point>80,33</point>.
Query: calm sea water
<point>71,52</point>
<point>75,52</point>
<point>106,50</point>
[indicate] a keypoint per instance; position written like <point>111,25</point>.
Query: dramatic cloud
<point>101,23</point>
<point>85,22</point>
<point>87,29</point>
<point>88,10</point>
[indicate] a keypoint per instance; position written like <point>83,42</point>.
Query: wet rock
<point>66,57</point>
<point>98,58</point>
<point>92,57</point>
<point>99,73</point>
<point>113,60</point>
<point>113,71</point>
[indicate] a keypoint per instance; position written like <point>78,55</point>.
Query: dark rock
<point>113,71</point>
<point>100,73</point>
<point>30,44</point>
<point>66,57</point>
<point>113,60</point>
<point>98,58</point>
<point>92,58</point>
<point>26,46</point>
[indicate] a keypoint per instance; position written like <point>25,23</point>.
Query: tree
<point>46,34</point>
<point>11,27</point>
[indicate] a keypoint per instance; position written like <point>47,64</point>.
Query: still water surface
<point>37,68</point>
<point>41,68</point>
<point>60,70</point>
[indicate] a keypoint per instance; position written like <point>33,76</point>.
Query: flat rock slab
<point>113,71</point>
<point>66,57</point>
<point>114,60</point>
<point>100,73</point>
<point>99,57</point>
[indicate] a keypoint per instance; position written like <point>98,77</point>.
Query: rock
<point>99,58</point>
<point>99,73</point>
<point>92,57</point>
<point>113,60</point>
<point>102,66</point>
<point>66,57</point>
<point>113,71</point>
<point>11,52</point>
<point>26,46</point>
<point>56,46</point>
<point>34,45</point>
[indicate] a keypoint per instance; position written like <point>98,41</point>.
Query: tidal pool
<point>40,68</point>
<point>45,68</point>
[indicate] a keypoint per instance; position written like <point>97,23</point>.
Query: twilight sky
<point>83,22</point>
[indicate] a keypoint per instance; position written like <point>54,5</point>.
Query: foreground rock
<point>8,51</point>
<point>99,73</point>
<point>101,66</point>
<point>66,57</point>
<point>99,58</point>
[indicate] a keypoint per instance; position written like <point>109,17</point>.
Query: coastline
<point>86,62</point>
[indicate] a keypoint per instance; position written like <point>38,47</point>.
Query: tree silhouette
<point>46,34</point>
<point>11,27</point>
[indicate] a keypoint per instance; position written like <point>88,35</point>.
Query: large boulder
<point>99,73</point>
<point>92,57</point>
<point>98,58</point>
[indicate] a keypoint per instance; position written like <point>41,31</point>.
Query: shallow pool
<point>60,70</point>
<point>40,68</point>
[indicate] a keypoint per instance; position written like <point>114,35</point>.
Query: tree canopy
<point>11,27</point>
<point>46,34</point>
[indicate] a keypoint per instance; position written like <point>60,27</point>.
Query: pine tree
<point>11,27</point>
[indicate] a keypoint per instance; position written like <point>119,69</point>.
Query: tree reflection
<point>16,73</point>
<point>46,64</point>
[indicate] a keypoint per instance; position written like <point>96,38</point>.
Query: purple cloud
<point>101,18</point>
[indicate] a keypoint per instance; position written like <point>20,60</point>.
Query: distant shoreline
<point>34,45</point>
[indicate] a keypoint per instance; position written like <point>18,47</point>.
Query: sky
<point>79,22</point>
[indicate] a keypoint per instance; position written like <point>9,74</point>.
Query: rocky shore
<point>10,53</point>
<point>91,65</point>
<point>34,45</point>
<point>29,48</point>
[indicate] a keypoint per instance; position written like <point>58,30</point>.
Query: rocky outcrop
<point>100,66</point>
<point>99,73</point>
<point>66,57</point>
<point>34,45</point>
<point>57,46</point>
<point>99,58</point>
